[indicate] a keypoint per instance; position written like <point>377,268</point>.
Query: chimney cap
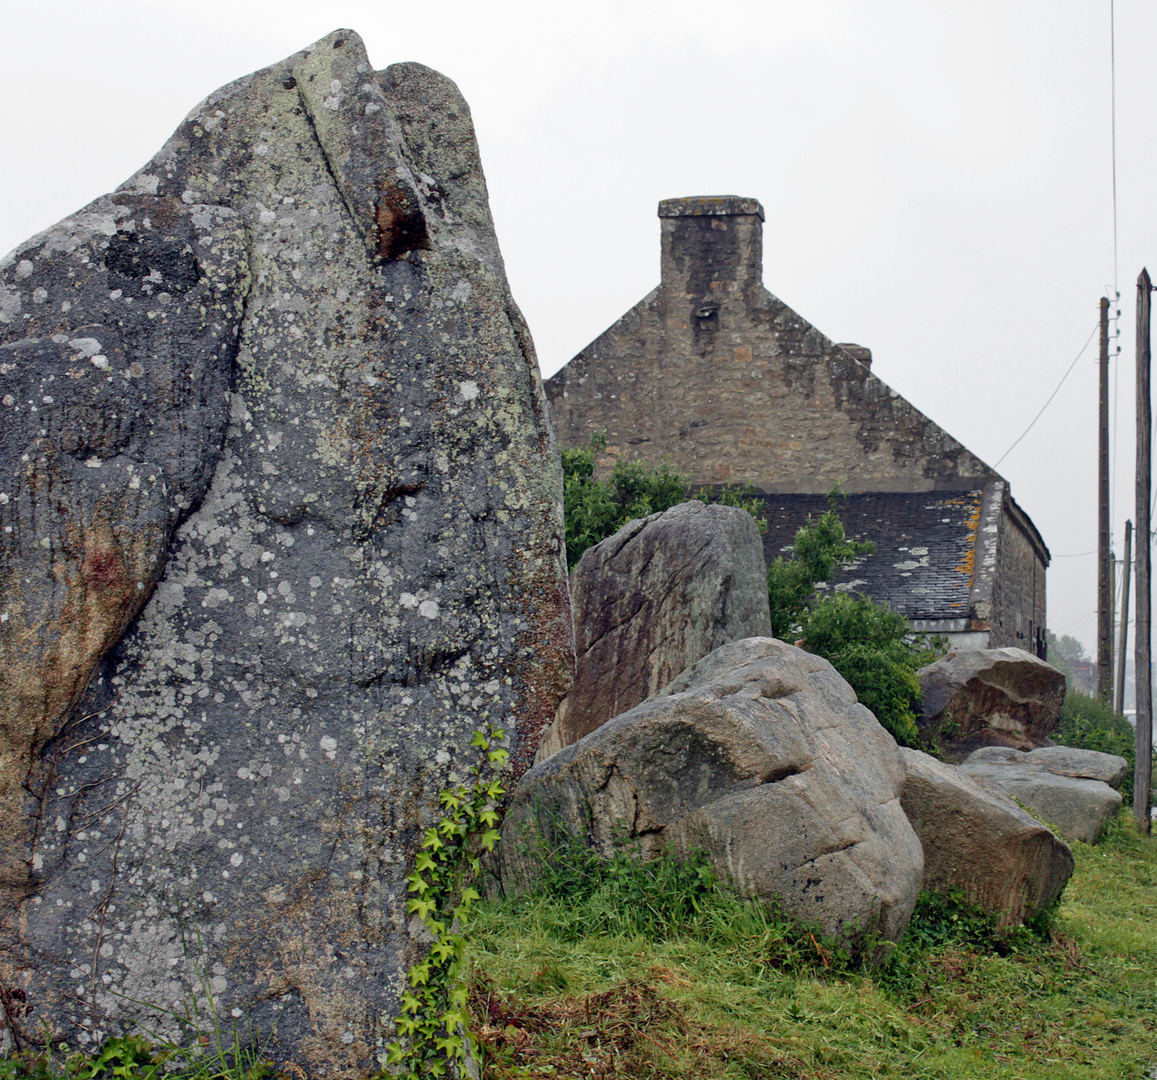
<point>710,206</point>
<point>858,352</point>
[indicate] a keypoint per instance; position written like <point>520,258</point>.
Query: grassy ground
<point>624,975</point>
<point>651,971</point>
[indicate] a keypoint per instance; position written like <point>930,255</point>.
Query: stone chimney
<point>712,248</point>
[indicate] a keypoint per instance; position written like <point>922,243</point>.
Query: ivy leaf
<point>452,799</point>
<point>442,950</point>
<point>417,883</point>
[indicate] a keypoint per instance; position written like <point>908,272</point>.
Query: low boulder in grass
<point>1079,809</point>
<point>978,840</point>
<point>988,697</point>
<point>1071,761</point>
<point>758,756</point>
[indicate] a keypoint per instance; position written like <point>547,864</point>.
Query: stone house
<point>713,371</point>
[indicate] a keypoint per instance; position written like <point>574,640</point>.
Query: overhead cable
<point>1051,396</point>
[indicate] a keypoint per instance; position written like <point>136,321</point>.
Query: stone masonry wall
<point>1018,608</point>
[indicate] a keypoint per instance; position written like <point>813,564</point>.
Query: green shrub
<point>595,509</point>
<point>820,549</point>
<point>873,648</point>
<point>1092,725</point>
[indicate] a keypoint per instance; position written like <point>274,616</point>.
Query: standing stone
<point>989,697</point>
<point>652,599</point>
<point>281,527</point>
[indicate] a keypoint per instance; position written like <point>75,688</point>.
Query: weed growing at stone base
<point>709,986</point>
<point>136,1058</point>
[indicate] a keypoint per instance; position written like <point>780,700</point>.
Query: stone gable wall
<point>715,371</point>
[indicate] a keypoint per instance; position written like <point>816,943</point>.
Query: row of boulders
<point>760,757</point>
<point>758,754</point>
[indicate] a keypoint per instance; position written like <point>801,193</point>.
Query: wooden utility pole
<point>1112,627</point>
<point>1104,558</point>
<point>1142,773</point>
<point>1123,638</point>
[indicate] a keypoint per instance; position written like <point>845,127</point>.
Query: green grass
<point>653,971</point>
<point>703,985</point>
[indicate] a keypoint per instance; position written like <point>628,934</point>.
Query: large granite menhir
<point>280,526</point>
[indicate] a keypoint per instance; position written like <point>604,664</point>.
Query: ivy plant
<point>433,1024</point>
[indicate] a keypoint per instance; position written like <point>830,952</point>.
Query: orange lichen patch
<point>968,564</point>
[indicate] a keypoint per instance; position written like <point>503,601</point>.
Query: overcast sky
<point>937,176</point>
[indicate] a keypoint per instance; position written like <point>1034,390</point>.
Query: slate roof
<point>925,545</point>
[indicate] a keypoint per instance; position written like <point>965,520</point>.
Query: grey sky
<point>937,176</point>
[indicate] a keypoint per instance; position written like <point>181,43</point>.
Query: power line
<point>1077,622</point>
<point>1051,396</point>
<point>1113,117</point>
<point>1116,290</point>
